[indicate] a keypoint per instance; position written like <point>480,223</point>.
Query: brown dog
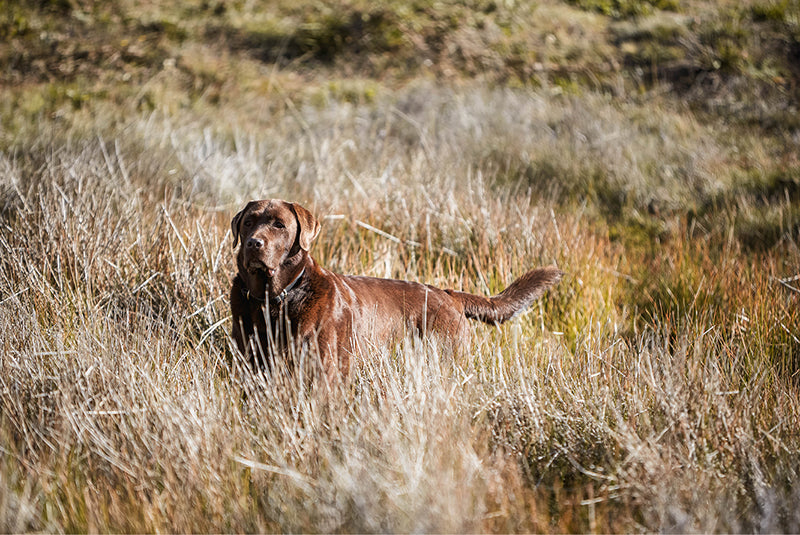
<point>278,280</point>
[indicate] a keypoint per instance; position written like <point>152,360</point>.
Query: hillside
<point>732,67</point>
<point>730,59</point>
<point>649,148</point>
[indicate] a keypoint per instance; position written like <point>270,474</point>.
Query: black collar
<point>278,299</point>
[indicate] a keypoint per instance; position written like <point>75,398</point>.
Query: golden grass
<point>654,389</point>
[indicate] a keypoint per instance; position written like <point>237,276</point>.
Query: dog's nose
<point>255,243</point>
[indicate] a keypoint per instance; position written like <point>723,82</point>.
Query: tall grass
<point>654,389</point>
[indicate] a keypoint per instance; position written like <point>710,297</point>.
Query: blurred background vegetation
<point>717,57</point>
<point>738,62</point>
<point>733,66</point>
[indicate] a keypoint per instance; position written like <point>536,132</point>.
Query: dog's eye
<point>278,224</point>
<point>247,223</point>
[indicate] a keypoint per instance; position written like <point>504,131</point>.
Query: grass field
<point>647,148</point>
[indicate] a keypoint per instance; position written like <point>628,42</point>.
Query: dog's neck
<point>259,289</point>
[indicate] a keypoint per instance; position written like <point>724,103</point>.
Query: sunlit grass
<point>655,388</point>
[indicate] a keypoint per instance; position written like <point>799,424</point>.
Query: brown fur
<point>334,312</point>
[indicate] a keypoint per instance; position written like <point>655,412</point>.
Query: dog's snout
<point>255,243</point>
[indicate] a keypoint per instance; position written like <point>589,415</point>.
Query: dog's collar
<point>278,299</point>
<point>282,296</point>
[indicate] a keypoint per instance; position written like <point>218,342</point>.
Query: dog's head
<point>274,235</point>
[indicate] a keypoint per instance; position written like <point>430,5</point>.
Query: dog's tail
<point>516,298</point>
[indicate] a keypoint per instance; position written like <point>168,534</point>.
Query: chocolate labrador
<point>280,293</point>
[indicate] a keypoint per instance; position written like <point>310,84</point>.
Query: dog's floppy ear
<point>236,221</point>
<point>308,226</point>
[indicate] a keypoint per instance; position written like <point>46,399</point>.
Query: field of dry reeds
<point>656,388</point>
